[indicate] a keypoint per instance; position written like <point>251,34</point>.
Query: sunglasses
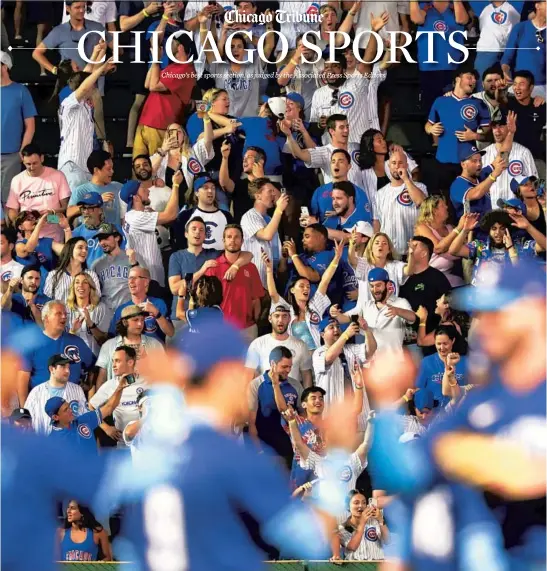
<point>539,37</point>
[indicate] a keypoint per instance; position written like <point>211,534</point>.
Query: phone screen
<point>53,218</point>
<point>130,379</point>
<point>355,319</point>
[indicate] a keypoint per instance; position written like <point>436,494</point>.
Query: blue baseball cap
<point>203,180</point>
<point>53,405</point>
<point>91,199</point>
<point>325,322</point>
<point>518,181</point>
<point>467,150</point>
<point>129,190</point>
<point>499,285</point>
<point>513,203</point>
<point>378,275</point>
<point>424,399</point>
<point>217,341</point>
<point>296,98</point>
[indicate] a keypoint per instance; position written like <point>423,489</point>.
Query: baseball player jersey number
<point>165,530</point>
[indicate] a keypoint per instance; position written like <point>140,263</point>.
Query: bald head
<point>397,163</point>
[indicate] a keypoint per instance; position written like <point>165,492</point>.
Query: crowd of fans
<point>272,199</point>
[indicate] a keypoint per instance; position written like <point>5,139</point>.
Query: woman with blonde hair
<point>432,224</point>
<point>379,254</point>
<point>88,317</point>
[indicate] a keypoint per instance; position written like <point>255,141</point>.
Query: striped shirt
<point>320,159</point>
<point>520,163</point>
<point>77,125</point>
<point>292,29</point>
<point>351,96</point>
<point>38,396</point>
<point>370,548</point>
<point>100,315</point>
<point>140,231</point>
<point>62,287</point>
<point>370,179</point>
<point>397,213</point>
<point>394,268</point>
<point>251,223</point>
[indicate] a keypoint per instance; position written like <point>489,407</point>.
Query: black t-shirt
<point>530,126</point>
<point>425,289</point>
<point>242,202</point>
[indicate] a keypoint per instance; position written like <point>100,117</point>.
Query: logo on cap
<point>346,100</point>
<point>83,431</point>
<point>515,168</point>
<point>469,112</point>
<point>313,9</point>
<point>440,26</point>
<point>74,407</point>
<point>404,198</point>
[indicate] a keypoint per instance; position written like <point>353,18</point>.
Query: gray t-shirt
<point>242,87</point>
<point>113,272</point>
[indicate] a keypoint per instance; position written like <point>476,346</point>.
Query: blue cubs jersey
<point>35,359</point>
<point>80,431</point>
<point>42,256</point>
<point>213,474</point>
<point>455,114</point>
<point>321,203</point>
<point>151,327</point>
<point>430,376</point>
<point>20,307</point>
<point>459,189</point>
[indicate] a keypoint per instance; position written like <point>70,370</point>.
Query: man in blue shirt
<point>347,214</point>
<point>456,119</point>
<point>29,303</point>
<point>18,112</point>
<point>470,191</point>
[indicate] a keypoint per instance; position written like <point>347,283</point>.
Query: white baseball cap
<point>278,105</point>
<point>364,228</point>
<point>5,58</point>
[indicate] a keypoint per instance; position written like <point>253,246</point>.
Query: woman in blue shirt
<point>82,536</point>
<point>433,368</point>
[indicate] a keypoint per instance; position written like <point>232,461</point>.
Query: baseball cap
<point>499,285</point>
<point>325,322</point>
<point>518,181</point>
<point>91,199</point>
<point>216,342</point>
<point>5,58</point>
<point>132,311</point>
<point>278,105</point>
<point>296,98</point>
<point>202,180</point>
<point>423,399</point>
<point>500,118</point>
<point>512,203</point>
<point>279,308</point>
<point>466,151</point>
<point>58,359</point>
<point>53,405</point>
<point>364,228</point>
<point>129,190</point>
<point>19,414</point>
<point>378,275</point>
<point>106,229</point>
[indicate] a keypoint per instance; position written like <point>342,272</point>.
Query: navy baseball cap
<point>325,322</point>
<point>378,275</point>
<point>520,180</point>
<point>19,414</point>
<point>423,399</point>
<point>56,360</point>
<point>512,203</point>
<point>53,405</point>
<point>202,180</point>
<point>499,285</point>
<point>500,118</point>
<point>91,199</point>
<point>466,151</point>
<point>296,98</point>
<point>215,342</point>
<point>129,190</point>
<point>106,229</point>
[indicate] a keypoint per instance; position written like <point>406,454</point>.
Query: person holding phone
<point>124,360</point>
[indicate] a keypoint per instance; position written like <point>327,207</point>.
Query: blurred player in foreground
<point>496,440</point>
<point>191,521</point>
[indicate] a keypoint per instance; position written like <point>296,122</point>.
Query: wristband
<point>345,336</point>
<point>352,14</point>
<point>405,398</point>
<point>235,266</point>
<point>145,13</point>
<point>159,315</point>
<point>493,178</point>
<point>161,152</point>
<point>176,185</point>
<point>358,388</point>
<point>277,211</point>
<point>165,17</point>
<point>422,325</point>
<point>333,265</point>
<point>54,70</point>
<point>92,326</point>
<point>292,420</point>
<point>294,256</point>
<point>294,62</point>
<point>206,119</point>
<point>458,232</point>
<point>182,297</point>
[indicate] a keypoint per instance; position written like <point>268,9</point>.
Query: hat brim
<point>473,299</point>
<point>61,362</point>
<point>106,235</point>
<point>145,313</point>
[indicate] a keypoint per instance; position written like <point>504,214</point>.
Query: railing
<point>272,566</point>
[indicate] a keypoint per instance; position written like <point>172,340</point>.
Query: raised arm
<point>172,207</point>
<point>328,274</point>
<point>296,151</point>
<point>458,247</point>
<point>224,179</point>
<point>270,279</point>
<point>301,447</point>
<point>89,82</point>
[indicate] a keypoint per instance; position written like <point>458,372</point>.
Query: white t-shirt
<point>496,24</point>
<point>258,357</point>
<point>394,269</point>
<point>77,126</point>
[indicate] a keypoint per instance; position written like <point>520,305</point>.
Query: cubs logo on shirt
<point>345,474</point>
<point>41,258</point>
<point>314,317</point>
<point>83,431</point>
<point>150,324</point>
<point>499,17</point>
<point>469,112</point>
<point>440,26</point>
<point>515,168</point>
<point>313,9</point>
<point>371,534</point>
<point>404,198</point>
<point>355,157</point>
<point>346,100</point>
<point>194,166</point>
<point>73,353</point>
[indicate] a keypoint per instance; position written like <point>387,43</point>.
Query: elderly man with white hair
<point>34,369</point>
<point>18,112</point>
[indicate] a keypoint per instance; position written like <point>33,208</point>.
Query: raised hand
<point>507,240</point>
<point>470,221</point>
<point>335,311</point>
<point>422,313</point>
<point>290,246</point>
<point>282,202</point>
<point>225,149</point>
<point>378,22</point>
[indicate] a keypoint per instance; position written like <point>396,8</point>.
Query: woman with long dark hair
<point>82,536</point>
<point>206,297</point>
<point>72,262</point>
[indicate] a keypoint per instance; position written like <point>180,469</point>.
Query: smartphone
<point>257,160</point>
<point>201,106</point>
<point>52,219</point>
<point>283,190</point>
<point>373,502</point>
<point>354,319</point>
<point>304,212</point>
<point>130,379</point>
<point>466,207</point>
<point>504,155</point>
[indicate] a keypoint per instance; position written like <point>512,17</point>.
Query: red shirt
<point>162,108</point>
<point>240,293</point>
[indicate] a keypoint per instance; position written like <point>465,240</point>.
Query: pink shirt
<point>41,193</point>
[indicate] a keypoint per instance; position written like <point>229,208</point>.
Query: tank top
<point>445,262</point>
<point>85,551</point>
<point>301,331</point>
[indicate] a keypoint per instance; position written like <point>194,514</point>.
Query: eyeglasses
<point>334,99</point>
<point>539,37</point>
<point>136,278</point>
